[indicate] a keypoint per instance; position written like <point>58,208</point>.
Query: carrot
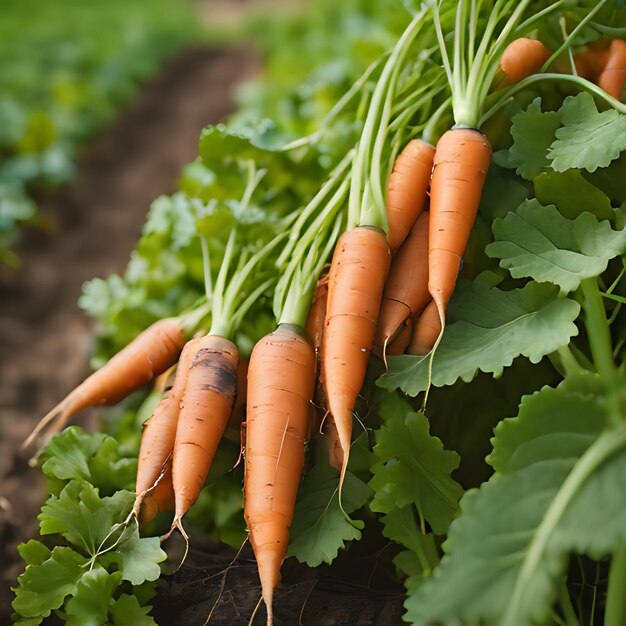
<point>426,331</point>
<point>148,355</point>
<point>402,339</point>
<point>523,57</point>
<point>406,289</point>
<point>331,437</point>
<point>357,276</point>
<point>160,499</point>
<point>462,159</point>
<point>206,405</point>
<point>406,190</point>
<point>157,439</point>
<point>315,320</point>
<point>281,381</point>
<point>591,61</point>
<point>238,414</point>
<point>613,76</point>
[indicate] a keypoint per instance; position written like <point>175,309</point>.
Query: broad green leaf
<point>414,468</point>
<point>320,528</point>
<point>588,139</point>
<point>83,518</point>
<point>44,587</point>
<point>487,329</point>
<point>109,471</point>
<point>140,556</point>
<point>610,180</point>
<point>89,605</point>
<point>533,132</point>
<point>559,479</point>
<point>126,611</point>
<point>503,192</point>
<point>34,552</point>
<point>539,243</point>
<point>572,194</point>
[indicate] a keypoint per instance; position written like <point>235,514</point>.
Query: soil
<point>93,226</point>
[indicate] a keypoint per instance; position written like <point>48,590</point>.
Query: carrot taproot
<point>317,313</point>
<point>522,58</point>
<point>159,433</point>
<point>613,76</point>
<point>406,190</point>
<point>402,339</point>
<point>151,353</point>
<point>357,277</point>
<point>281,382</point>
<point>160,498</point>
<point>426,331</point>
<point>331,437</point>
<point>205,408</point>
<point>461,162</point>
<point>406,290</point>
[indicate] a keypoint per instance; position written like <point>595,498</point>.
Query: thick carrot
<point>157,439</point>
<point>148,355</point>
<point>426,331</point>
<point>356,281</point>
<point>462,159</point>
<point>160,499</point>
<point>523,57</point>
<point>406,190</point>
<point>613,76</point>
<point>317,314</point>
<point>406,290</point>
<point>281,381</point>
<point>205,408</point>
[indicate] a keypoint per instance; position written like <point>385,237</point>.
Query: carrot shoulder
<point>281,382</point>
<point>613,76</point>
<point>406,190</point>
<point>357,276</point>
<point>462,159</point>
<point>148,355</point>
<point>205,409</point>
<point>522,58</point>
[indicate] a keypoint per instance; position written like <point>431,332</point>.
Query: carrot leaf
<point>94,593</point>
<point>539,243</point>
<point>558,480</point>
<point>487,329</point>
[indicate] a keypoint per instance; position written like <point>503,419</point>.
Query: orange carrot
<point>462,159</point>
<point>613,76</point>
<point>406,190</point>
<point>157,439</point>
<point>356,281</point>
<point>280,388</point>
<point>406,289</point>
<point>160,499</point>
<point>315,321</point>
<point>238,414</point>
<point>148,355</point>
<point>426,331</point>
<point>402,339</point>
<point>522,58</point>
<point>591,61</point>
<point>331,437</point>
<point>205,408</point>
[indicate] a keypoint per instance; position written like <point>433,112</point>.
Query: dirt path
<point>44,338</point>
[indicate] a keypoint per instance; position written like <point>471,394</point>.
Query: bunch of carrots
<point>395,255</point>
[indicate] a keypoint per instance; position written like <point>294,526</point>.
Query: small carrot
<point>402,339</point>
<point>238,415</point>
<point>357,276</point>
<point>426,331</point>
<point>331,437</point>
<point>160,499</point>
<point>462,159</point>
<point>281,381</point>
<point>406,190</point>
<point>315,320</point>
<point>613,76</point>
<point>591,61</point>
<point>205,407</point>
<point>148,355</point>
<point>157,439</point>
<point>406,290</point>
<point>522,58</point>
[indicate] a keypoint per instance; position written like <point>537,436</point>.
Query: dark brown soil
<point>95,223</point>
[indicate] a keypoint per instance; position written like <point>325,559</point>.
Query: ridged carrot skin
<point>406,190</point>
<point>426,331</point>
<point>462,160</point>
<point>151,353</point>
<point>357,277</point>
<point>523,57</point>
<point>613,76</point>
<point>159,433</point>
<point>160,499</point>
<point>205,409</point>
<point>406,290</point>
<point>281,382</point>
